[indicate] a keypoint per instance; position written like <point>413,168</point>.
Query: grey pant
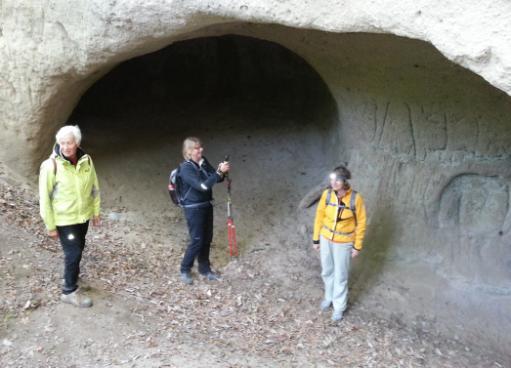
<point>335,267</point>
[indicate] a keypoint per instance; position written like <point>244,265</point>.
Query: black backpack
<point>174,186</point>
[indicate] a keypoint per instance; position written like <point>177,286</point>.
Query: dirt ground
<point>265,311</point>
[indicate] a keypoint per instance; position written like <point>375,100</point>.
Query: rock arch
<point>409,120</point>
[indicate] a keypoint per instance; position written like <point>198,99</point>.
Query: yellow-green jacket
<point>343,229</point>
<point>68,194</point>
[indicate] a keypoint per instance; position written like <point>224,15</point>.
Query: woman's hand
<point>53,234</point>
<point>354,253</point>
<point>316,247</point>
<point>224,167</point>
<point>96,221</point>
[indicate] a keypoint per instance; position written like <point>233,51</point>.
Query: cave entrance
<point>252,99</point>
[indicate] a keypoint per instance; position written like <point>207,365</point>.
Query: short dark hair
<point>343,172</point>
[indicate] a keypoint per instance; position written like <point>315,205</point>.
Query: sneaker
<point>186,277</point>
<point>211,276</point>
<point>337,316</point>
<point>325,305</point>
<point>76,299</point>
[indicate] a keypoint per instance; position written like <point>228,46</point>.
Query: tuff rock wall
<point>422,93</point>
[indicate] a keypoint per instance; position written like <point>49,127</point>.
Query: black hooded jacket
<point>196,182</point>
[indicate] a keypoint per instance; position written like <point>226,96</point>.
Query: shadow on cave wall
<point>252,99</point>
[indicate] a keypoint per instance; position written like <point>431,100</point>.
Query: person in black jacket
<point>197,177</point>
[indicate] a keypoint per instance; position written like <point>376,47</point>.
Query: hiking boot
<point>186,277</point>
<point>212,276</point>
<point>76,299</point>
<point>325,305</point>
<point>337,316</point>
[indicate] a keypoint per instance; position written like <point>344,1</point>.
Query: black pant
<point>200,227</point>
<point>72,238</point>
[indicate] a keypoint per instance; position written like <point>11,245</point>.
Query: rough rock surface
<point>51,52</point>
<point>428,141</point>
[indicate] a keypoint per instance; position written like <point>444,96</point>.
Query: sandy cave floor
<point>264,312</point>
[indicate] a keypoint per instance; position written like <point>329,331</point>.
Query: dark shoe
<point>186,277</point>
<point>211,276</point>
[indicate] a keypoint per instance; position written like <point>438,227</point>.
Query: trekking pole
<point>231,228</point>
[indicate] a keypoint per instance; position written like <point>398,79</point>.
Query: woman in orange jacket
<point>339,230</point>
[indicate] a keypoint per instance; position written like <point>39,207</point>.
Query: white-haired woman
<point>69,199</point>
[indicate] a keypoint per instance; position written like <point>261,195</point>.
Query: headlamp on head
<point>336,177</point>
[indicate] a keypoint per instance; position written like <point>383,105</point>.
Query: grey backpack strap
<point>328,197</point>
<point>352,205</point>
<point>54,162</point>
<point>54,165</point>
